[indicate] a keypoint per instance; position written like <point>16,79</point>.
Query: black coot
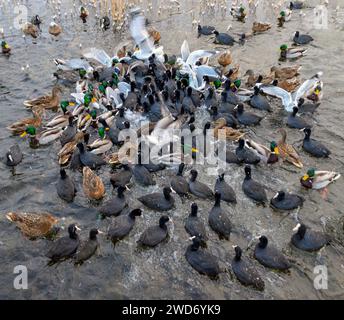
<point>65,247</point>
<point>295,122</point>
<point>308,240</point>
<point>179,183</point>
<point>114,206</point>
<point>226,191</point>
<point>307,107</point>
<point>205,30</point>
<point>253,189</point>
<point>88,248</point>
<point>199,189</point>
<point>69,133</point>
<point>258,101</point>
<point>88,159</point>
<point>302,38</point>
<point>218,219</point>
<point>246,155</point>
<point>286,201</point>
<point>246,118</point>
<point>269,256</point>
<point>194,226</point>
<point>121,178</point>
<point>159,201</point>
<point>65,187</point>
<point>313,147</point>
<point>141,174</point>
<point>122,225</point>
<point>246,272</point>
<point>155,234</point>
<point>14,156</point>
<point>224,38</point>
<point>201,260</point>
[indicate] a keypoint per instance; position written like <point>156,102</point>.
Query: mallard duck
<point>289,85</point>
<point>225,58</point>
<point>286,72</point>
<point>318,180</point>
<point>83,14</point>
<point>291,53</point>
<point>101,145</point>
<point>284,16</point>
<point>231,134</point>
<point>59,121</point>
<point>93,185</point>
<point>252,79</point>
<point>30,29</point>
<point>233,73</point>
<point>33,225</point>
<point>66,152</point>
<point>19,127</point>
<point>267,155</point>
<point>122,52</point>
<point>260,27</point>
<point>46,102</point>
<point>55,29</point>
<point>31,132</point>
<point>155,34</point>
<point>5,48</point>
<point>239,13</point>
<point>287,152</point>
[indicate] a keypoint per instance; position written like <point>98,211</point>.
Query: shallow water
<point>125,271</point>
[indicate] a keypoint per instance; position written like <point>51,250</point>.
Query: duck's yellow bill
<point>317,92</point>
<point>71,104</point>
<point>88,117</point>
<point>23,134</point>
<point>107,129</point>
<point>94,100</point>
<point>276,151</point>
<point>305,177</point>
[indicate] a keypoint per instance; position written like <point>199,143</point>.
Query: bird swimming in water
<point>154,235</point>
<point>307,239</point>
<point>88,248</point>
<point>314,147</point>
<point>178,183</point>
<point>269,256</point>
<point>245,271</point>
<point>65,247</point>
<point>122,225</point>
<point>201,260</point>
<point>218,219</point>
<point>159,201</point>
<point>199,189</point>
<point>65,187</point>
<point>286,201</point>
<point>194,225</point>
<point>253,189</point>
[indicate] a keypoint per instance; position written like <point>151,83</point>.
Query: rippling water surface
<point>128,272</point>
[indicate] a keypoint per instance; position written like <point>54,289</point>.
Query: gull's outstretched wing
<point>99,55</point>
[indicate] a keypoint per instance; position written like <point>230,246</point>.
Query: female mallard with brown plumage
<point>33,225</point>
<point>19,127</point>
<point>287,152</point>
<point>46,102</point>
<point>230,133</point>
<point>286,72</point>
<point>259,27</point>
<point>93,185</point>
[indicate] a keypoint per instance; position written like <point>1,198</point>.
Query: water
<point>163,273</point>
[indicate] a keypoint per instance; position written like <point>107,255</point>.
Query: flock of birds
<point>117,94</point>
